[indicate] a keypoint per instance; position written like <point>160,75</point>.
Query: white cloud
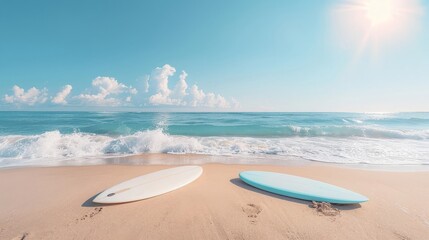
<point>61,96</point>
<point>182,86</point>
<point>201,99</point>
<point>180,96</point>
<point>161,75</point>
<point>197,94</point>
<point>30,97</point>
<point>108,92</point>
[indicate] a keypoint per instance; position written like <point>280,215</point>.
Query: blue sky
<point>237,56</point>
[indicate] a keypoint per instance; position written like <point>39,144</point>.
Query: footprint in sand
<point>325,209</point>
<point>252,211</point>
<point>96,211</point>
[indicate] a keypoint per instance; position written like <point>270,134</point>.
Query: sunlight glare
<point>380,11</point>
<point>360,24</point>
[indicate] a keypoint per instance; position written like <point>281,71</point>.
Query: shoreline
<point>168,159</point>
<point>55,202</point>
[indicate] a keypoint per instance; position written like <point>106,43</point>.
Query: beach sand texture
<point>55,203</point>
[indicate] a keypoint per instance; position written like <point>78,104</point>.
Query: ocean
<point>51,138</point>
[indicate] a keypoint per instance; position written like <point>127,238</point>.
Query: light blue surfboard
<point>301,188</point>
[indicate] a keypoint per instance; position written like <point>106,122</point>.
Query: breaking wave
<point>355,145</point>
<point>356,131</point>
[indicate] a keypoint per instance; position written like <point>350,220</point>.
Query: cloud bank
<point>30,97</point>
<point>161,87</point>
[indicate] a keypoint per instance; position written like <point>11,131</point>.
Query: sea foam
<point>54,147</point>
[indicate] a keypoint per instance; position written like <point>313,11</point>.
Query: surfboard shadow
<point>89,202</point>
<point>238,182</point>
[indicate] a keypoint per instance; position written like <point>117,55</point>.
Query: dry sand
<point>55,203</point>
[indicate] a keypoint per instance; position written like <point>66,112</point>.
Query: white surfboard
<point>150,185</point>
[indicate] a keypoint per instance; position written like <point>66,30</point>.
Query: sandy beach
<point>316,100</point>
<point>55,203</point>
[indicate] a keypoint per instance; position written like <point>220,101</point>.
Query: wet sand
<point>55,203</point>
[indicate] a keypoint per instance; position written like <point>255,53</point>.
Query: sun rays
<point>372,24</point>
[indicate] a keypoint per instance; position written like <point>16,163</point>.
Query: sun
<point>375,24</point>
<point>380,11</point>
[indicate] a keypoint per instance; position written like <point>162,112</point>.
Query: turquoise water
<point>367,138</point>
